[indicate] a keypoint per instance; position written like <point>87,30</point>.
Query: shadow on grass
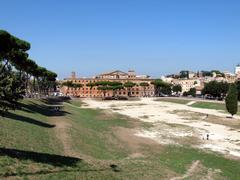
<point>55,100</point>
<point>55,160</point>
<point>42,109</point>
<point>21,118</point>
<point>69,164</point>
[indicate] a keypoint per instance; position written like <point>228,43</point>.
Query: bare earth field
<point>180,124</point>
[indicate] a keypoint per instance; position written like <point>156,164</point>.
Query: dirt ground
<point>180,124</point>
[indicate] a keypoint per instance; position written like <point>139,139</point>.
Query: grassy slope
<point>28,144</point>
<point>92,134</point>
<point>29,128</point>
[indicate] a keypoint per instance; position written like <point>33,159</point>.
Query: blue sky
<point>153,37</point>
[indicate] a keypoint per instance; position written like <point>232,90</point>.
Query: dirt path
<point>198,171</point>
<point>190,171</point>
<point>61,130</point>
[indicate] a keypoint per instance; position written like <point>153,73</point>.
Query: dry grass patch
<point>189,115</point>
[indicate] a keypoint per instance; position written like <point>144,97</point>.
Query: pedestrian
<point>207,136</point>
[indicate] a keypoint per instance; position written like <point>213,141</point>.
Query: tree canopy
<point>216,89</point>
<point>17,71</point>
<point>161,87</point>
<point>177,88</point>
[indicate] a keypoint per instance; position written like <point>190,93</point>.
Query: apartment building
<point>187,84</point>
<point>115,76</point>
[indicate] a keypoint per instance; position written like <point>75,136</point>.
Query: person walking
<point>207,136</point>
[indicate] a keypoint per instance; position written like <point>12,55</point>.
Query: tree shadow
<point>42,109</point>
<point>55,160</point>
<point>68,164</point>
<point>17,117</point>
<point>55,100</point>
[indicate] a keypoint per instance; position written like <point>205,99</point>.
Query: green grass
<point>211,105</point>
<point>95,129</point>
<point>28,144</point>
<point>174,100</point>
<point>30,149</point>
<point>76,103</point>
<point>200,104</point>
<point>177,159</point>
<point>29,128</point>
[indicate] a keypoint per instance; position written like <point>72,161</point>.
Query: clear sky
<point>153,37</point>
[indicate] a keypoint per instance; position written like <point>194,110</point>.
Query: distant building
<point>237,69</point>
<point>167,79</point>
<point>73,76</point>
<point>230,77</point>
<point>187,84</point>
<point>187,74</point>
<point>114,76</point>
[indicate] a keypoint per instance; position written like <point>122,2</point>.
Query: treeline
<point>185,74</point>
<point>217,89</point>
<point>20,76</point>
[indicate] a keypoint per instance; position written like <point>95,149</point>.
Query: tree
<point>144,85</point>
<point>16,70</point>
<point>238,89</point>
<point>185,94</point>
<point>177,88</point>
<point>184,74</point>
<point>70,84</point>
<point>167,89</point>
<point>161,87</point>
<point>105,86</point>
<point>114,86</point>
<point>192,92</point>
<point>11,90</point>
<point>206,73</point>
<point>216,89</point>
<point>218,73</point>
<point>12,52</point>
<point>102,86</point>
<point>91,85</point>
<point>232,100</point>
<point>129,85</point>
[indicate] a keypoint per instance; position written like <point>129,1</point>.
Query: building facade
<point>115,76</point>
<point>187,84</point>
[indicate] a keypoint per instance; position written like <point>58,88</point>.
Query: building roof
<point>117,72</point>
